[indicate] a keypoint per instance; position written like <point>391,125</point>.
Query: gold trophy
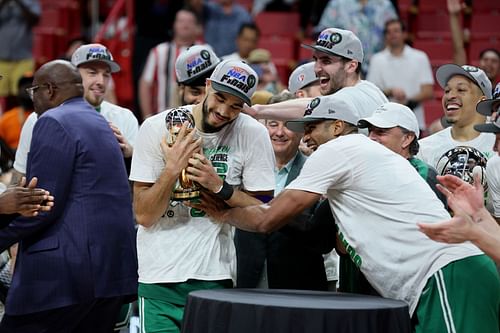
<point>185,189</point>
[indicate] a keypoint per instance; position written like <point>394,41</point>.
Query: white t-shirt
<point>365,97</point>
<point>434,146</point>
<point>122,118</point>
<point>377,198</point>
<point>184,244</point>
<point>409,72</point>
<point>493,179</point>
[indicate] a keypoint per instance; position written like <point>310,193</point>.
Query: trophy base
<point>180,196</point>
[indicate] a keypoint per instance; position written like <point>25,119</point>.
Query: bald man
<point>71,275</point>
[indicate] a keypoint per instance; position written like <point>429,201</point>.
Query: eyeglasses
<point>31,90</point>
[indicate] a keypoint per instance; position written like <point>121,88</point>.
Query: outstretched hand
<point>27,201</point>
<point>462,197</point>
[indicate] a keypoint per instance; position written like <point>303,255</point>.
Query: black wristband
<point>226,192</point>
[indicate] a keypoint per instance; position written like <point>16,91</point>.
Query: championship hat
<point>339,42</point>
<point>235,77</point>
<point>195,64</point>
<point>94,52</point>
<point>390,115</point>
<point>325,108</point>
<point>489,127</point>
<point>488,106</point>
<point>445,72</point>
<point>301,77</point>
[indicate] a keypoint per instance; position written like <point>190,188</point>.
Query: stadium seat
<point>305,53</point>
<point>478,45</point>
<point>432,5</point>
<point>432,24</point>
<point>485,25</point>
<point>433,110</point>
<point>485,6</point>
<point>280,47</point>
<point>278,24</point>
<point>439,50</point>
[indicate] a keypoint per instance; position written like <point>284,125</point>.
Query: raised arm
<point>287,110</point>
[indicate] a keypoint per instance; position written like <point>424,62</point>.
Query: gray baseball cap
<point>339,42</point>
<point>94,52</point>
<point>489,127</point>
<point>446,72</point>
<point>390,115</point>
<point>325,108</point>
<point>301,77</point>
<point>235,77</point>
<point>487,106</point>
<point>195,64</point>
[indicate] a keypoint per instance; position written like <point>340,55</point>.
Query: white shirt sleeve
<point>493,179</point>
<point>375,71</point>
<point>23,148</point>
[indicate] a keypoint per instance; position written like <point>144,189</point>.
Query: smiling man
<point>179,248</point>
<point>464,87</point>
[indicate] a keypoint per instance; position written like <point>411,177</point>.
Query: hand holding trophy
<point>185,188</point>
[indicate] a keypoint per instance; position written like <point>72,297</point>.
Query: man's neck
<point>180,42</point>
<point>396,50</point>
<point>464,133</point>
<point>283,159</point>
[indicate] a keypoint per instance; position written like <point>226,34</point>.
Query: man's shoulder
<point>436,137</point>
<point>116,110</point>
<point>245,122</point>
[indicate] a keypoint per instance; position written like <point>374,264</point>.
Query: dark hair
<point>281,97</point>
<point>414,146</point>
<point>249,25</point>
<point>483,52</point>
<point>394,20</point>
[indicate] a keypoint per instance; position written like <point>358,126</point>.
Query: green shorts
<point>161,306</point>
<point>462,297</point>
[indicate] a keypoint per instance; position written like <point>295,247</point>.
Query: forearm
<point>145,98</point>
<point>30,17</point>
<point>242,199</point>
<point>486,234</point>
<point>459,56</point>
<point>151,203</point>
<point>253,219</point>
<point>287,110</point>
<point>426,92</point>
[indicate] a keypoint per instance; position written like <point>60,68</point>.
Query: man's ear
<point>208,84</point>
<point>338,127</point>
<point>407,140</point>
<point>51,91</point>
<point>351,66</point>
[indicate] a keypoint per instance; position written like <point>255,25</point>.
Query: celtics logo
<point>251,81</point>
<point>470,69</point>
<point>335,38</point>
<point>314,103</point>
<point>205,54</point>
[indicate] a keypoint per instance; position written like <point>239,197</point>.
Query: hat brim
<point>321,49</point>
<point>223,88</point>
<point>297,125</point>
<point>486,107</point>
<point>487,128</point>
<point>375,121</point>
<point>113,66</point>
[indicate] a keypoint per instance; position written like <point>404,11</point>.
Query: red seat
<point>439,50</point>
<point>478,45</point>
<point>433,24</point>
<point>485,6</point>
<point>432,5</point>
<point>305,53</point>
<point>433,110</point>
<point>280,48</point>
<point>485,25</point>
<point>278,24</point>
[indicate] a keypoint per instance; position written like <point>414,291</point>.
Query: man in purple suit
<point>76,264</point>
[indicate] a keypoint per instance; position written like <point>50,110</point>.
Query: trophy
<point>185,189</point>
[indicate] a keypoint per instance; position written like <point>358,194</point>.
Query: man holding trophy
<point>224,154</point>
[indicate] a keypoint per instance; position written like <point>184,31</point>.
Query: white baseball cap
<point>446,72</point>
<point>339,42</point>
<point>488,106</point>
<point>94,52</point>
<point>195,64</point>
<point>325,108</point>
<point>390,115</point>
<point>301,77</point>
<point>235,77</point>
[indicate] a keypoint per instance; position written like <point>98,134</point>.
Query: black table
<point>274,311</point>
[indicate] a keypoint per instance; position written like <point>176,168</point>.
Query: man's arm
<point>152,200</point>
<point>459,55</point>
<point>27,200</point>
<point>267,217</point>
<point>286,110</point>
<point>30,13</point>
<point>145,98</point>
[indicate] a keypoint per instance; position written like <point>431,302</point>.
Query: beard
<point>205,126</point>
<point>337,82</point>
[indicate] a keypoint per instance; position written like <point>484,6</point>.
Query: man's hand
<point>454,7</point>
<point>457,230</point>
<point>462,197</point>
<point>214,207</point>
<point>399,95</point>
<point>126,148</point>
<point>252,111</point>
<point>27,201</point>
<point>202,171</point>
<point>178,154</point>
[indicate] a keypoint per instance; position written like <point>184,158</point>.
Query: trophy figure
<point>185,189</point>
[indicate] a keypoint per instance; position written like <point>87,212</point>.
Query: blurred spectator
<point>272,5</point>
<point>246,42</point>
<point>403,73</point>
<point>17,18</point>
<point>12,121</point>
<point>158,83</point>
<point>489,59</point>
<point>222,22</point>
<point>260,61</point>
<point>366,18</point>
